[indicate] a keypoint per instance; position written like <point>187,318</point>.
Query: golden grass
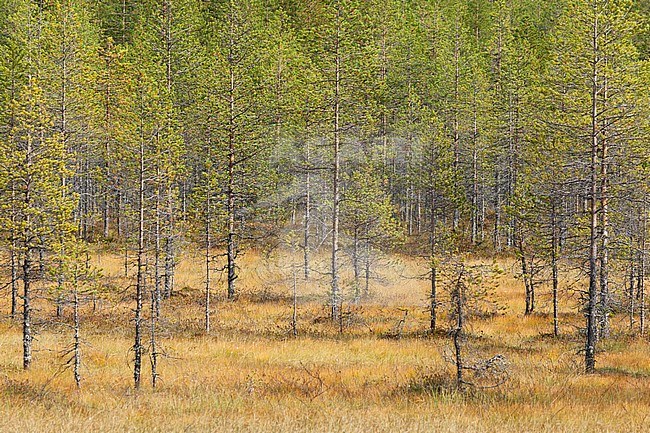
<point>249,375</point>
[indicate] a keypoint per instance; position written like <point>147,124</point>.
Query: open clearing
<point>252,375</point>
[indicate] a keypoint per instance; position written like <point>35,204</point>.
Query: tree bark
<point>554,268</point>
<point>458,298</point>
<point>307,217</point>
<point>590,343</point>
<point>27,309</point>
<point>231,251</point>
<point>77,326</point>
<point>604,301</point>
<point>141,268</point>
<point>641,271</point>
<point>433,297</point>
<point>13,256</point>
<point>335,297</point>
<point>208,242</point>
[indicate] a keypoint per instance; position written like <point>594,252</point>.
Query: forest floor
<point>251,375</point>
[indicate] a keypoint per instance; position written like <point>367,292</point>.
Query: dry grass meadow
<point>252,375</point>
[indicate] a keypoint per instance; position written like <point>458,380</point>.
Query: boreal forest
<point>324,215</point>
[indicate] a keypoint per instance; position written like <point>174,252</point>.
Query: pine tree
<point>37,205</point>
<point>338,44</point>
<point>36,164</point>
<point>13,77</point>
<point>240,119</point>
<point>69,54</point>
<point>595,65</point>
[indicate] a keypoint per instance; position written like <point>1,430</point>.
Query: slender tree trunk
<point>208,243</point>
<point>170,252</point>
<point>433,297</point>
<point>14,281</point>
<point>59,284</point>
<point>335,298</point>
<point>475,169</point>
<point>590,343</point>
<point>630,293</point>
<point>409,210</point>
<point>155,299</point>
<point>77,326</point>
<point>306,229</point>
<point>307,217</point>
<point>456,120</point>
<point>496,237</point>
<point>13,256</point>
<point>27,308</point>
<point>294,312</point>
<point>458,332</point>
<point>641,271</point>
<point>231,248</point>
<point>366,288</point>
<point>554,269</point>
<point>531,283</point>
<point>418,213</point>
<point>604,222</point>
<point>481,221</point>
<point>526,276</point>
<point>356,266</point>
<point>475,210</point>
<point>107,174</point>
<point>140,278</point>
<point>118,215</point>
<point>123,15</point>
<point>28,240</point>
<point>126,260</point>
<point>157,249</point>
<point>41,259</point>
<point>153,339</point>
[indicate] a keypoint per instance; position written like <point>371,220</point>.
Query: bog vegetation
<point>324,215</point>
